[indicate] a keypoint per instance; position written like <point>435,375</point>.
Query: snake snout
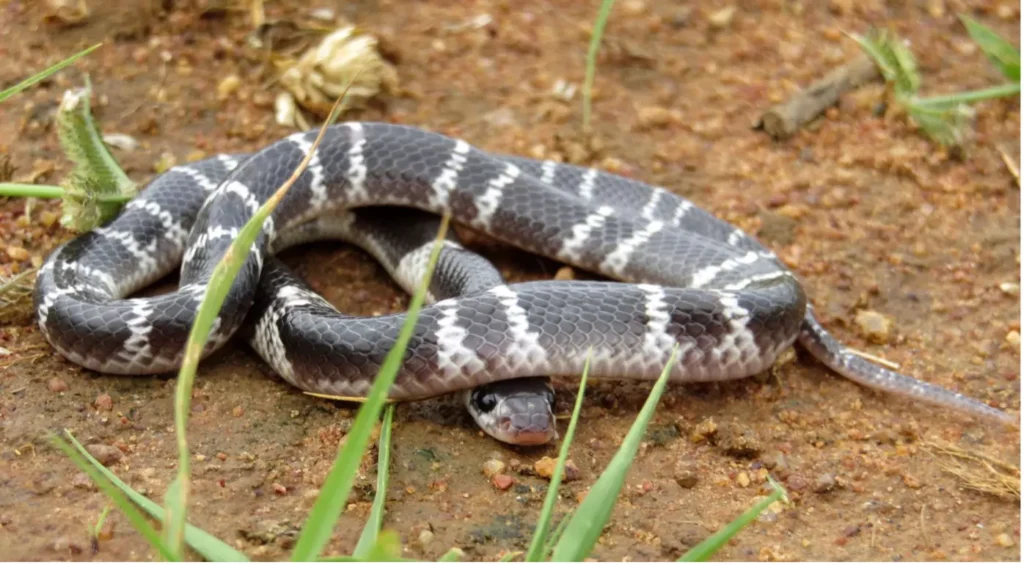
<point>528,429</point>
<point>526,420</point>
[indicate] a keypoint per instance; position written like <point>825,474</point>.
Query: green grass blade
<point>586,524</point>
<point>540,533</point>
<point>19,190</point>
<point>949,101</point>
<point>705,549</point>
<point>328,507</point>
<point>595,45</point>
<point>91,468</point>
<point>205,544</point>
<point>372,528</point>
<point>1001,52</point>
<point>176,498</point>
<point>549,545</point>
<point>7,93</point>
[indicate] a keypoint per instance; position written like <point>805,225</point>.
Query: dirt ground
<point>867,212</point>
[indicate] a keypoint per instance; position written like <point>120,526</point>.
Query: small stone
<point>17,253</point>
<point>502,482</point>
<point>738,441</point>
<point>1013,338</point>
<point>1010,289</point>
<point>104,402</point>
<point>873,326</point>
<point>238,411</point>
<point>704,431</point>
<point>650,117</point>
<point>82,481</point>
<point>911,481</point>
<point>565,274</point>
<point>105,454</point>
<point>634,7</point>
<point>57,385</point>
<point>797,482</point>
<point>825,482</point>
<point>743,479</point>
<point>722,18</point>
<point>1004,540</point>
<point>279,488</point>
<point>493,467</point>
<point>425,537</point>
<point>686,477</point>
<point>545,467</point>
<point>227,86</point>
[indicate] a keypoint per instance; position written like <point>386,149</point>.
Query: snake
<point>673,281</point>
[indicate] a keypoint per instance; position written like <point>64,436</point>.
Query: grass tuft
<point>945,119</point>
<point>371,531</point>
<point>595,45</point>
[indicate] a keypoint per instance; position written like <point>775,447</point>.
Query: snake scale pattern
<point>681,276</point>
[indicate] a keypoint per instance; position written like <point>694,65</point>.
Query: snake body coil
<point>691,280</point>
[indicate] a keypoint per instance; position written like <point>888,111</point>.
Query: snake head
<point>517,411</point>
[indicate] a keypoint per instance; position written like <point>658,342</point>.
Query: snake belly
<point>693,283</point>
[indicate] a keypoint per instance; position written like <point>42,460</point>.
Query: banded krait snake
<point>729,303</point>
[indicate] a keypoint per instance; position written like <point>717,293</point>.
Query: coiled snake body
<point>690,279</point>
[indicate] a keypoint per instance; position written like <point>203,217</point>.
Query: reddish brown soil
<point>868,213</point>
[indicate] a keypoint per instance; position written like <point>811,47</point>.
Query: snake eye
<point>485,401</point>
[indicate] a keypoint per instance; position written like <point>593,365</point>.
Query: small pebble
<point>1010,289</point>
<point>493,467</point>
<point>104,402</point>
<point>105,454</point>
<point>911,481</point>
<point>565,274</point>
<point>17,253</point>
<point>686,478</point>
<point>651,117</point>
<point>425,537</point>
<point>873,326</point>
<point>57,385</point>
<point>502,482</point>
<point>743,479</point>
<point>722,18</point>
<point>1013,338</point>
<point>797,482</point>
<point>279,488</point>
<point>825,482</point>
<point>704,431</point>
<point>545,467</point>
<point>82,481</point>
<point>1004,540</point>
